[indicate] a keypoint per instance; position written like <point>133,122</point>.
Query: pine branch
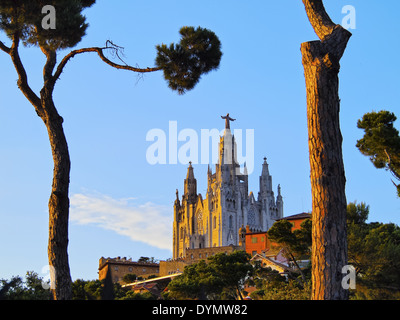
<point>391,168</point>
<point>4,48</point>
<point>319,19</point>
<point>23,84</point>
<point>100,51</point>
<point>333,37</point>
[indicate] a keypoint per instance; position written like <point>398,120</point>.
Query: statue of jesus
<point>227,119</point>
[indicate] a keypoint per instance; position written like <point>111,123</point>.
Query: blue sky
<point>123,206</point>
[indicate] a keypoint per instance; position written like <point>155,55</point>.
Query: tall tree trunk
<point>59,200</point>
<point>329,235</point>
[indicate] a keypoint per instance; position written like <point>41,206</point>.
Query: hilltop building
<point>228,218</point>
<point>219,219</point>
<point>119,267</point>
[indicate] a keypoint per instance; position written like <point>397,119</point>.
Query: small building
<point>119,267</point>
<point>297,219</point>
<point>275,263</point>
<point>258,242</point>
<point>142,288</point>
<point>154,285</point>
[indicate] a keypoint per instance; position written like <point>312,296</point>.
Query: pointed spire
<point>265,170</point>
<point>279,202</point>
<point>190,185</point>
<point>177,202</point>
<point>265,179</point>
<point>279,196</point>
<point>190,173</point>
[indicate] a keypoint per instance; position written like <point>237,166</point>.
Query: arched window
<point>215,222</point>
<point>230,222</point>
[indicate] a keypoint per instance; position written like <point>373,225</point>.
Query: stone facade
<point>119,267</point>
<point>218,220</point>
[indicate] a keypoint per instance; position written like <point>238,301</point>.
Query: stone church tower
<point>220,218</point>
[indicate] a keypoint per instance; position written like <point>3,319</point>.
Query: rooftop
<point>303,215</point>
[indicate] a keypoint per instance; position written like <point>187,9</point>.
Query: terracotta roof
<point>272,252</point>
<point>303,215</point>
<point>106,261</point>
<point>270,261</point>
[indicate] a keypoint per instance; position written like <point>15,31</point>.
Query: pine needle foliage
<point>25,17</point>
<point>381,142</point>
<point>198,53</point>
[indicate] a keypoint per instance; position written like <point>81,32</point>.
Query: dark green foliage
<point>271,285</point>
<point>198,53</point>
<point>24,17</point>
<point>130,295</point>
<point>130,277</point>
<point>296,243</point>
<point>221,277</point>
<point>381,142</point>
<point>232,269</point>
<point>96,290</point>
<point>357,213</point>
<point>374,251</point>
<point>87,290</point>
<point>198,281</point>
<point>18,289</point>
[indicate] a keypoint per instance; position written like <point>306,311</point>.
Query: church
<point>220,218</point>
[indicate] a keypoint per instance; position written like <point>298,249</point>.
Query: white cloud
<point>148,223</point>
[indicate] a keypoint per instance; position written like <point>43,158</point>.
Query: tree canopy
<point>374,252</point>
<point>381,142</point>
<point>296,244</point>
<point>221,277</point>
<point>198,52</point>
<point>23,22</point>
<point>25,17</point>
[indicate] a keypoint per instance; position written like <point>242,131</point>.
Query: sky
<point>121,203</point>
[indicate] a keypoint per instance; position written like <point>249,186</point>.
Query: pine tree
<point>21,20</point>
<point>321,68</point>
<point>381,142</point>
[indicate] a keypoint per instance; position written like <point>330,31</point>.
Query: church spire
<point>190,185</point>
<point>190,174</point>
<point>265,179</point>
<point>279,202</point>
<point>265,170</point>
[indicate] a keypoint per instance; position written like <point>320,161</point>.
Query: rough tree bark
<point>203,47</point>
<point>59,199</point>
<point>329,235</point>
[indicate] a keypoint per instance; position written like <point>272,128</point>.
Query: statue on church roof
<point>227,121</point>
